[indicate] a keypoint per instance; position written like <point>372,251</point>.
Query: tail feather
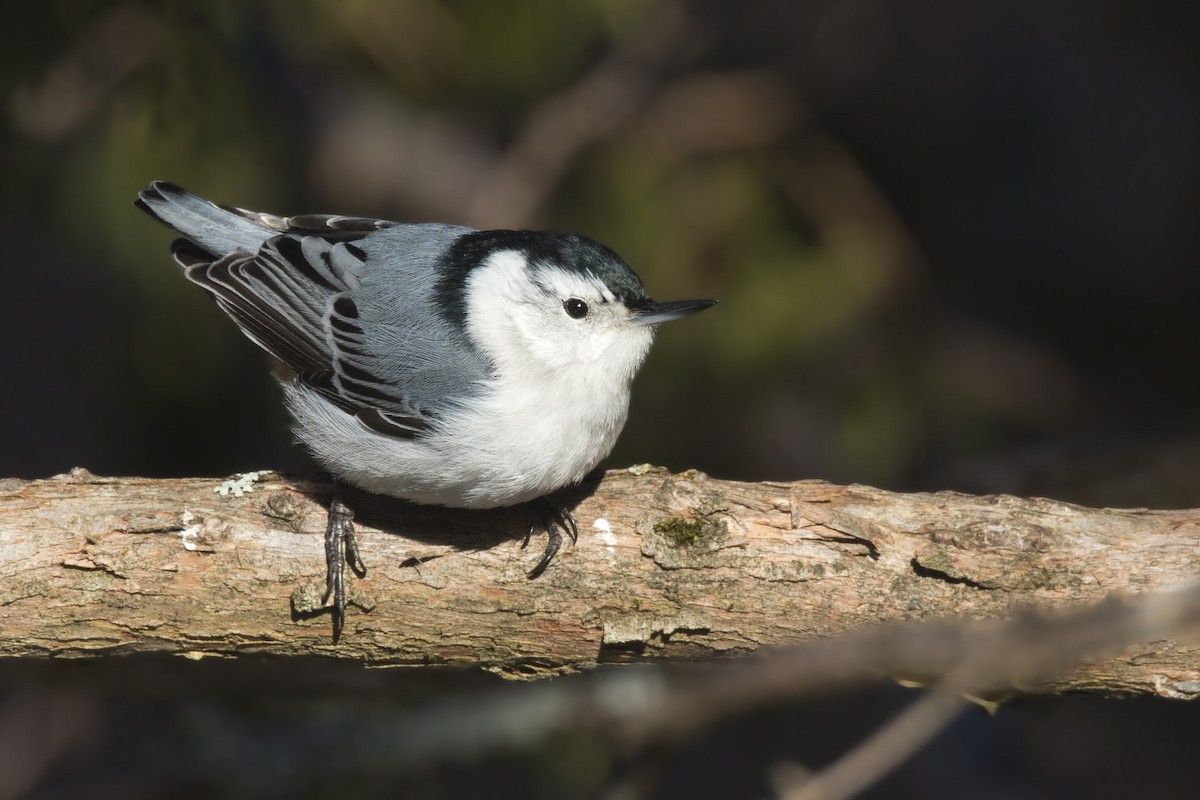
<point>214,229</point>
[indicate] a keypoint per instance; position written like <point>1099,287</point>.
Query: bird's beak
<point>652,313</point>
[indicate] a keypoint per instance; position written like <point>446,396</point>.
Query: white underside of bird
<point>540,423</point>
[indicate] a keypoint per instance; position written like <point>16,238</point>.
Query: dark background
<point>955,246</point>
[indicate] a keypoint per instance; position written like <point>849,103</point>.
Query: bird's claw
<point>554,520</point>
<point>341,549</point>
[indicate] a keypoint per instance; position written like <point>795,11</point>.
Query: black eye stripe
<point>575,308</point>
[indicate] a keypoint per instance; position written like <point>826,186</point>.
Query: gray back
<point>427,357</point>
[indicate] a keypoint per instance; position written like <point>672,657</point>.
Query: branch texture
<point>668,566</point>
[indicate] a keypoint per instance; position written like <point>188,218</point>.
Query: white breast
<point>531,435</point>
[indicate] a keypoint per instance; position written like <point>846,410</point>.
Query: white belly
<point>519,442</point>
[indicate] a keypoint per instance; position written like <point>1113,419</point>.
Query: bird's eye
<point>575,308</point>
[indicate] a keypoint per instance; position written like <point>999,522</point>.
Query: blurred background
<point>956,246</point>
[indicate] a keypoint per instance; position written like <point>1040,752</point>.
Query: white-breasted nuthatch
<point>434,363</point>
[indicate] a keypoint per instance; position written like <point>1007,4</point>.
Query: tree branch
<point>667,567</point>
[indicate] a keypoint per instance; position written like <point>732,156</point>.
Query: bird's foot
<point>340,549</point>
<point>556,521</point>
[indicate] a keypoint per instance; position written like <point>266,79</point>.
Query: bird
<point>429,362</point>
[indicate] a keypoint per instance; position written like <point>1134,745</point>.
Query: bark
<point>667,566</point>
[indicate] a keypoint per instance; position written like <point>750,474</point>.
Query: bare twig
<point>886,749</point>
<point>1024,652</point>
<point>667,567</point>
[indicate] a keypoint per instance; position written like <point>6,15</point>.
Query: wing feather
<point>290,284</point>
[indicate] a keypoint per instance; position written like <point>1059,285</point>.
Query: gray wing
<point>345,302</point>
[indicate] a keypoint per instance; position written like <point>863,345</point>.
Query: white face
<point>552,320</point>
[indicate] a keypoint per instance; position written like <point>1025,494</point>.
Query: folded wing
<point>289,283</point>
